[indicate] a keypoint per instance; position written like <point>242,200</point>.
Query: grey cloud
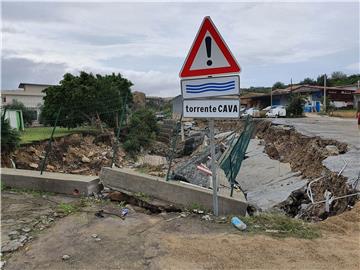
<point>35,11</point>
<point>16,70</point>
<point>103,40</point>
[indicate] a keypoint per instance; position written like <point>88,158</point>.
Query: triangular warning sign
<point>209,54</point>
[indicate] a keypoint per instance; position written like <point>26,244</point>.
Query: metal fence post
<point>213,167</point>
<point>50,140</point>
<point>118,131</point>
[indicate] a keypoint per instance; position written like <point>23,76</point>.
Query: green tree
<point>10,138</point>
<point>279,85</point>
<point>320,81</point>
<point>142,130</point>
<point>86,99</point>
<point>295,108</point>
<point>308,81</point>
<point>338,75</point>
<point>28,115</point>
<point>330,107</point>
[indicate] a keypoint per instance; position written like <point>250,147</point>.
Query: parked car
<point>268,108</point>
<point>253,112</point>
<point>278,111</point>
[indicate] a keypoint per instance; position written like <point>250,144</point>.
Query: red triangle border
<point>208,26</point>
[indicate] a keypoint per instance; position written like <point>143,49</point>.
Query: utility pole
<point>325,92</point>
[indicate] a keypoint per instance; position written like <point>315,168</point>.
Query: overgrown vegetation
<point>142,130</point>
<point>67,208</point>
<point>280,225</point>
<point>196,206</point>
<point>28,115</point>
<point>330,107</point>
<point>295,108</point>
<point>86,99</point>
<point>10,138</point>
<point>142,196</point>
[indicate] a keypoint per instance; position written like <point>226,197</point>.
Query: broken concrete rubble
<point>153,160</point>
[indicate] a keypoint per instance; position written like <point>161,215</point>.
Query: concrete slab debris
<point>266,181</point>
<point>50,182</point>
<point>170,191</point>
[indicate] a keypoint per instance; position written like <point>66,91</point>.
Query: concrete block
<point>49,182</point>
<point>171,191</point>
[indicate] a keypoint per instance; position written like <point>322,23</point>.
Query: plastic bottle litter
<point>238,224</point>
<point>124,212</point>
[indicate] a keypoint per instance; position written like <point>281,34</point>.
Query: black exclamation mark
<point>208,50</point>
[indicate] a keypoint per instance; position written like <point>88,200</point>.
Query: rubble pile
<point>76,154</point>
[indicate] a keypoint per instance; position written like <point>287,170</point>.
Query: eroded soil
<point>164,241</point>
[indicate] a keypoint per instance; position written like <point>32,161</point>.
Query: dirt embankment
<point>76,153</point>
<point>305,154</point>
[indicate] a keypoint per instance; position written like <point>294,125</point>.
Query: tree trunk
<point>99,122</point>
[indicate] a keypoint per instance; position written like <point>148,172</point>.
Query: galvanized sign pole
<point>213,167</point>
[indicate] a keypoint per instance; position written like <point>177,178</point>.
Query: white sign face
<point>211,108</point>
<point>210,87</point>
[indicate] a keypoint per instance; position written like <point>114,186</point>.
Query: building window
<point>4,99</point>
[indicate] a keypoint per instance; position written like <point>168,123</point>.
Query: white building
<point>30,95</point>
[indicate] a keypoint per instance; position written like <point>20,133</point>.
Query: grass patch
<point>142,196</point>
<point>43,133</point>
<point>67,208</point>
<point>196,206</point>
<point>279,225</point>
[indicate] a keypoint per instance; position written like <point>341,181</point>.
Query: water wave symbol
<point>209,87</point>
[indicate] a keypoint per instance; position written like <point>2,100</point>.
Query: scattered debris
<point>26,229</point>
<point>153,160</point>
<point>332,149</point>
<point>237,223</point>
<point>124,212</point>
<point>206,217</point>
<point>66,257</point>
<point>34,165</point>
<point>94,235</point>
<point>77,154</point>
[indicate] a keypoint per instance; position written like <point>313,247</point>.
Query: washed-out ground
<point>163,241</point>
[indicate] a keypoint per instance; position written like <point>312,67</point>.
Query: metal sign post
<point>213,167</point>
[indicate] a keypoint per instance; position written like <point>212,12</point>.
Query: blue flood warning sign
<point>210,87</point>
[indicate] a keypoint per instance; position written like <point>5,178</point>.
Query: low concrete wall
<point>172,191</point>
<point>49,182</point>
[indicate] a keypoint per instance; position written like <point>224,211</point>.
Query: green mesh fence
<point>232,160</point>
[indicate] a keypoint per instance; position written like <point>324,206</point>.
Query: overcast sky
<point>148,42</point>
